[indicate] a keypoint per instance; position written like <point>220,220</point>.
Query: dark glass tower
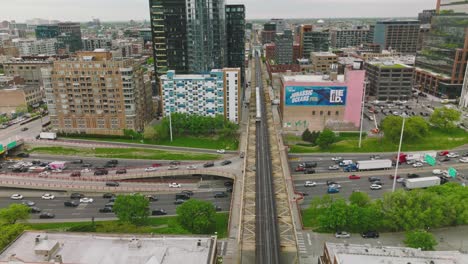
<point>47,31</point>
<point>235,35</point>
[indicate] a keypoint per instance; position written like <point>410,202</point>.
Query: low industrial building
<point>216,93</point>
<point>41,248</point>
<point>322,101</point>
<point>323,61</point>
<point>20,96</point>
<point>389,80</point>
<point>339,253</point>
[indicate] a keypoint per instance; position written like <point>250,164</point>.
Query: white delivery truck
<point>48,135</point>
<point>379,164</point>
<point>421,182</point>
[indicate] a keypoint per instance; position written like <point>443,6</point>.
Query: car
<point>208,164</point>
<point>48,196</point>
<point>46,215</point>
<point>370,234</point>
<point>121,171</point>
<point>463,160</point>
<point>107,195</point>
<point>24,129</point>
<point>76,196</point>
<point>337,159</point>
<point>393,176</point>
<point>220,195</point>
<point>191,167</point>
<point>156,165</point>
<point>226,162</point>
<point>23,155</point>
<point>220,151</point>
<point>112,184</point>
<point>35,210</point>
<point>378,183</point>
<point>159,212</point>
<point>187,192</point>
<point>86,165</point>
<point>174,185</point>
<point>465,154</point>
<point>173,167</point>
<point>183,196</point>
<point>401,180</point>
<point>101,172</point>
<point>44,174</point>
<point>75,174</point>
<point>179,201</point>
<point>373,179</point>
<point>310,184</point>
<point>309,171</point>
<point>444,159</point>
<point>412,175</point>
<point>334,167</point>
<point>444,153</point>
<point>113,162</point>
<point>303,193</point>
<point>299,168</point>
<point>229,189</point>
<point>354,177</point>
<point>374,157</point>
<point>453,155</point>
<point>78,161</point>
<point>175,162</point>
<point>149,169</point>
<point>217,208</point>
<point>437,172</point>
<point>342,234</point>
<point>331,182</point>
<point>376,186</point>
<point>28,203</point>
<point>110,204</point>
<point>72,203</point>
<point>228,183</point>
<point>332,190</point>
<point>418,164</point>
<point>335,186</point>
<point>151,198</point>
<point>106,209</point>
<point>86,200</point>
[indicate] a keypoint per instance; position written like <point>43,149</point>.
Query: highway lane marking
<point>309,240</point>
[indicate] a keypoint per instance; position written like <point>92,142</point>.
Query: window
<point>321,113</point>
<point>337,113</point>
<point>313,113</point>
<point>329,113</point>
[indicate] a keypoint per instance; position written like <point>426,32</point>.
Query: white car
<point>85,170</point>
<point>437,172</point>
<point>220,151</point>
<point>191,167</point>
<point>334,167</point>
<point>464,160</point>
<point>150,169</point>
<point>376,187</point>
<point>48,196</point>
<point>16,196</point>
<point>310,184</point>
<point>334,186</point>
<point>418,164</point>
<point>342,235</point>
<point>453,155</point>
<point>174,185</point>
<point>86,200</point>
<point>44,174</point>
<point>173,167</point>
<point>336,158</point>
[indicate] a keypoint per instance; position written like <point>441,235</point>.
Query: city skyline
<point>122,10</point>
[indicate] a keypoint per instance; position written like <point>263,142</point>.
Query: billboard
<point>315,95</point>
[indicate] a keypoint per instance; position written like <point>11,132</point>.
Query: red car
<point>299,168</point>
<point>443,153</point>
<point>354,177</point>
<point>393,176</point>
<point>154,165</point>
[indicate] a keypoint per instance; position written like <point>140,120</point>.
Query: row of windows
<point>328,113</point>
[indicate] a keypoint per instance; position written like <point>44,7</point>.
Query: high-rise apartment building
<point>268,32</point>
<point>70,36</point>
<point>313,40</point>
<point>97,94</point>
<point>90,44</point>
<point>47,31</point>
<point>343,38</point>
<point>425,16</point>
<point>235,37</point>
<point>441,63</point>
<point>30,47</point>
<point>399,35</point>
<point>216,93</point>
<point>389,81</point>
<point>284,47</point>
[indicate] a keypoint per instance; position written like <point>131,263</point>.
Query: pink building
<point>321,101</point>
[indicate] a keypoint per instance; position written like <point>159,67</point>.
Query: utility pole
<point>170,124</point>
<point>362,112</point>
<point>398,155</point>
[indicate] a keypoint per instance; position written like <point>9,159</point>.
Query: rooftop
<point>366,254</point>
<point>41,247</point>
<point>389,65</point>
<point>324,54</point>
<point>311,78</point>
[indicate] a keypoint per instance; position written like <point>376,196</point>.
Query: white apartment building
<point>216,93</point>
<point>30,47</point>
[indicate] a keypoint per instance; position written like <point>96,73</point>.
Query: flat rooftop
<point>311,78</point>
<point>91,248</point>
<point>366,254</point>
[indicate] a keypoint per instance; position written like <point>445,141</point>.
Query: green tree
<point>360,199</point>
<point>326,139</point>
<point>8,232</point>
<point>306,135</point>
<point>20,110</point>
<point>333,217</point>
<point>445,118</point>
<point>415,128</point>
<point>13,213</point>
<point>149,133</point>
<point>132,209</point>
<point>420,239</point>
<point>197,216</point>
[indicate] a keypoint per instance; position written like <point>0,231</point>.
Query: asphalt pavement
<point>14,132</point>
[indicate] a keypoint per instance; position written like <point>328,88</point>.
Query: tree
<point>415,128</point>
<point>22,109</point>
<point>445,118</point>
<point>197,216</point>
<point>420,239</point>
<point>326,138</point>
<point>13,213</point>
<point>149,133</point>
<point>360,199</point>
<point>9,232</point>
<point>132,209</point>
<point>306,135</point>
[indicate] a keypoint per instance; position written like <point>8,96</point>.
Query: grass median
<point>158,225</point>
<point>123,153</point>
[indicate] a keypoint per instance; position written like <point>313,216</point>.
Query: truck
<point>380,164</point>
<point>414,157</point>
<point>48,135</point>
<point>425,182</point>
<point>351,167</point>
<point>57,165</point>
<point>345,163</point>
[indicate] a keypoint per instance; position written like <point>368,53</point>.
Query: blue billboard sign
<point>315,95</point>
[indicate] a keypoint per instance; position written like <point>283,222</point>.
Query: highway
<point>266,230</point>
<point>87,211</point>
<point>14,132</point>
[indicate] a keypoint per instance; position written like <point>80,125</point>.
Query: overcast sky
<point>85,10</point>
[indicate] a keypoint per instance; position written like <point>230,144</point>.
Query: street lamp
<point>399,151</point>
<point>362,112</point>
<point>170,122</point>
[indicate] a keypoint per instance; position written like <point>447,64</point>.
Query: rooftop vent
<point>134,243</point>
